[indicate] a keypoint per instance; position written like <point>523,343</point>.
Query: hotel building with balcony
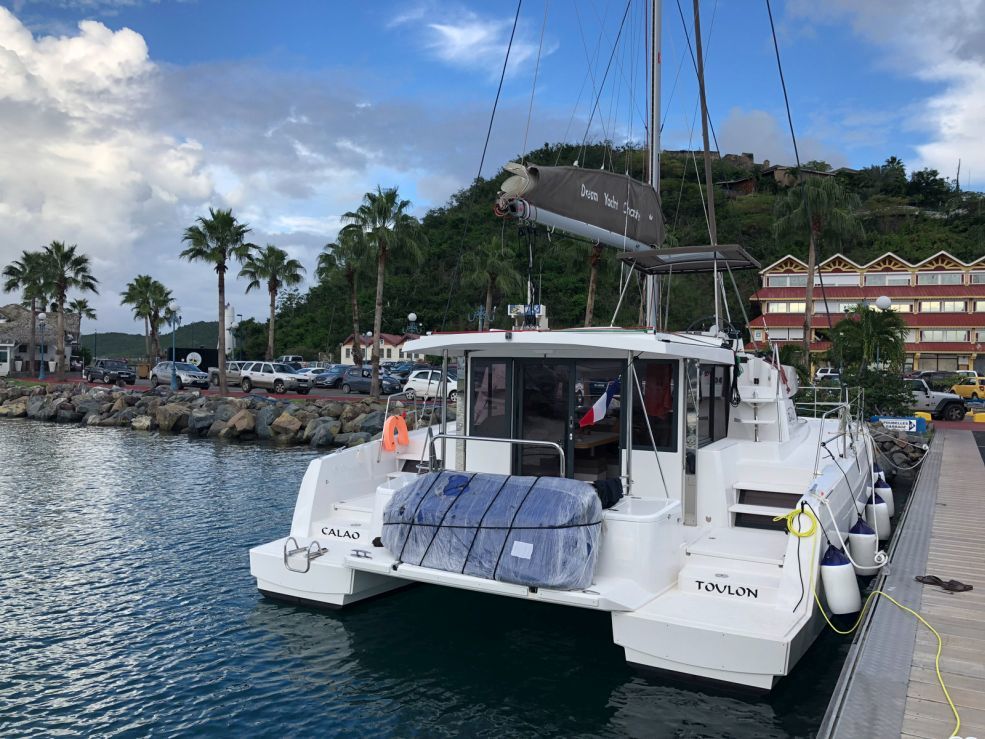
<point>942,300</point>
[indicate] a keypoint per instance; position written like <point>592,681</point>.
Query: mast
<point>709,185</point>
<point>653,282</point>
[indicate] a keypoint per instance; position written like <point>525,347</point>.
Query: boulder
<point>333,409</point>
<point>172,417</point>
<point>34,406</point>
<point>143,423</point>
<point>285,425</point>
<point>16,408</point>
<point>200,420</point>
<point>119,404</point>
<point>372,423</point>
<point>348,426</point>
<point>225,410</point>
<point>264,418</point>
<point>349,412</point>
<point>357,438</point>
<point>323,435</point>
<point>68,415</point>
<point>217,428</point>
<point>242,422</point>
<point>126,416</point>
<point>316,423</point>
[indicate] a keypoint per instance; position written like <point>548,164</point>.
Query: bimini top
<point>584,342</point>
<point>687,259</point>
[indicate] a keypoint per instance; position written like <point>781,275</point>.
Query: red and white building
<point>942,300</point>
<point>391,348</point>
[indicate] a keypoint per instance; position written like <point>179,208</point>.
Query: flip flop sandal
<point>954,586</point>
<point>929,580</point>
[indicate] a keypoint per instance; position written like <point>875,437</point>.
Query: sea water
<point>127,608</point>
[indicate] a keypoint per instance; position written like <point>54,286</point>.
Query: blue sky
<point>118,132</point>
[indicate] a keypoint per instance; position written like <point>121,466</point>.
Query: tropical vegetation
<point>65,268</point>
<point>382,225</point>
<point>275,269</point>
<point>216,240</point>
<point>148,299</point>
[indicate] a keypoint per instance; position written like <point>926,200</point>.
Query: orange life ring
<point>395,424</point>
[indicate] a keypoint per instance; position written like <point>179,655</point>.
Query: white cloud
<point>467,40</point>
<point>104,148</point>
<point>762,134</point>
<point>944,45</point>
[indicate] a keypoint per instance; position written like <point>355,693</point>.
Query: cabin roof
<point>588,342</point>
<point>680,260</point>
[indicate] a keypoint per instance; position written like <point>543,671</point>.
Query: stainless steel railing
<point>528,442</point>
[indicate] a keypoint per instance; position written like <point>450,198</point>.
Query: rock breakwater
<point>316,422</point>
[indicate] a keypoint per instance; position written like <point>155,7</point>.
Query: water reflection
<point>128,608</point>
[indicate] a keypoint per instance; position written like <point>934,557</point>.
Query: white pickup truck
<point>232,373</point>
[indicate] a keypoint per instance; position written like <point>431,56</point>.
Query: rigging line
<point>694,63</point>
<point>608,66</point>
<point>590,75</point>
<point>533,88</point>
<point>803,182</point>
<point>482,161</point>
<point>673,88</point>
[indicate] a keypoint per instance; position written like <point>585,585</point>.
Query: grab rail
<point>843,408</point>
<point>528,442</point>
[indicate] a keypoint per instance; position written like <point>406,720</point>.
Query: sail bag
<point>533,531</point>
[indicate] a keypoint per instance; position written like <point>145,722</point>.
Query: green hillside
<point>912,216</point>
<point>114,344</point>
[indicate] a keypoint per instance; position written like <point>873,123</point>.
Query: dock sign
<point>897,423</point>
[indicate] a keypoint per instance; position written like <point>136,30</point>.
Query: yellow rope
<point>790,518</point>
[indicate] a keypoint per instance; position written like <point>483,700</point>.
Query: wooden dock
<point>889,685</point>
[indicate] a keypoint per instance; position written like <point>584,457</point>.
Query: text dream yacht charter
<point>697,574</point>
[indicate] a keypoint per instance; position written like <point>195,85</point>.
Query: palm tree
<point>215,240</point>
<point>491,267</point>
<point>822,210</point>
<point>866,335</point>
<point>273,267</point>
<point>65,269</point>
<point>27,275</point>
<point>594,260</point>
<point>81,307</point>
<point>346,255</point>
<point>137,296</point>
<point>382,224</point>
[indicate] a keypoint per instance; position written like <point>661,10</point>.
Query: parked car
<point>971,388</point>
<point>110,371</point>
<point>330,377</point>
<point>402,370</point>
<point>187,375</point>
<point>232,373</point>
<point>946,406</point>
<point>426,383</point>
<point>827,373</point>
<point>291,359</point>
<point>941,380</point>
<point>359,380</point>
<point>274,377</point>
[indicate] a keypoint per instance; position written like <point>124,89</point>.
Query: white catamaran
<point>635,471</point>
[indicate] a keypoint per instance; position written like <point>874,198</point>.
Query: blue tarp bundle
<point>534,531</point>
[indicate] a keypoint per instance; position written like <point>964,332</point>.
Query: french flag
<point>597,412</point>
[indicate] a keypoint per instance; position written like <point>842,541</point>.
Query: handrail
<point>462,437</point>
<point>845,425</point>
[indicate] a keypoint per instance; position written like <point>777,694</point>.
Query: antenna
<point>957,180</point>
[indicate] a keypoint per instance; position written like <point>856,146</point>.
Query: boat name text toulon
<point>739,592</point>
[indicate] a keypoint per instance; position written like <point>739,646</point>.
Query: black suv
<point>110,371</point>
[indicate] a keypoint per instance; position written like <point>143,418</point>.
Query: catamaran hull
<point>324,584</point>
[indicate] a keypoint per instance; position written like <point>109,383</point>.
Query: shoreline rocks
<point>315,422</point>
